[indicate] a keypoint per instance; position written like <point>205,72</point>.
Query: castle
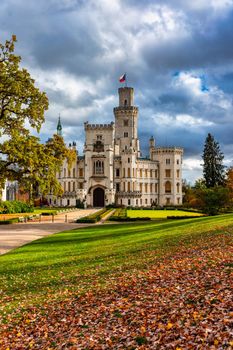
<point>112,171</point>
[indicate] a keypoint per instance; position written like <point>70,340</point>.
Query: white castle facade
<point>112,171</point>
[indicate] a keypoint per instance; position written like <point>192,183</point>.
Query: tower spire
<point>59,126</point>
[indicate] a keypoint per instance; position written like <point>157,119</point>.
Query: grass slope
<point>47,267</point>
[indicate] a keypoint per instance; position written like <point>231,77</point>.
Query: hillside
<point>164,285</point>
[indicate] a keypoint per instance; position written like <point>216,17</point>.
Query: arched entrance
<point>98,197</point>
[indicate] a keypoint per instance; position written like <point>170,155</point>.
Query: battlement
<point>88,126</point>
<point>177,150</point>
<point>125,110</point>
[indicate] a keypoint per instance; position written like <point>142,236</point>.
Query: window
<point>64,172</point>
<point>136,201</point>
<point>99,137</point>
<point>74,172</point>
<point>156,188</point>
<point>126,134</point>
<point>177,173</point>
<point>146,201</point>
<point>81,185</point>
<point>167,173</point>
<point>98,167</point>
<point>177,161</point>
<point>81,172</point>
<point>117,172</point>
<point>128,160</point>
<point>128,186</point>
<point>178,187</point>
<point>126,122</point>
<point>125,102</point>
<point>178,200</point>
<point>64,186</point>
<point>151,188</point>
<point>68,173</point>
<point>69,186</point>
<point>146,173</point>
<point>140,187</point>
<point>146,188</point>
<point>168,201</point>
<point>140,172</point>
<point>156,173</point>
<point>128,201</point>
<point>117,187</point>
<point>128,172</point>
<point>124,172</point>
<point>168,187</point>
<point>168,161</point>
<point>151,173</point>
<point>124,186</point>
<point>73,186</point>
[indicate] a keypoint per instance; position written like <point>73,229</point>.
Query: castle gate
<point>98,197</point>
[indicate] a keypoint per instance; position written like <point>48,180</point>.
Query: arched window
<point>74,172</point>
<point>98,167</point>
<point>168,187</point>
<point>178,187</point>
<point>125,102</point>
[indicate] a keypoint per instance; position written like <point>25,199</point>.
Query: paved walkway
<point>16,235</point>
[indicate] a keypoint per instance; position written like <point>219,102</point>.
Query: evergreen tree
<point>213,168</point>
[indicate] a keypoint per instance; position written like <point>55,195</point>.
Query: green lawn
<point>159,214</point>
<point>82,259</point>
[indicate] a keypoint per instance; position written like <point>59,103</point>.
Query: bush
<point>79,204</point>
<point>173,217</point>
<point>93,218</point>
<point>9,221</point>
<point>12,207</point>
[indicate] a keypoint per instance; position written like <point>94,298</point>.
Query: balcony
<point>132,194</point>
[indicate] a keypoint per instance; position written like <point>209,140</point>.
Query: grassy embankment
<point>87,258</point>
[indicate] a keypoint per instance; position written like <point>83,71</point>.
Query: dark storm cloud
<point>178,56</point>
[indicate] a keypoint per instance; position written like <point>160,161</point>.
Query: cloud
<point>177,55</point>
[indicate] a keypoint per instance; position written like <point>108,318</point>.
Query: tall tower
<point>59,127</point>
<point>126,121</point>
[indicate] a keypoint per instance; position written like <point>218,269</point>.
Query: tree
<point>22,106</point>
<point>213,200</point>
<point>213,168</point>
<point>229,183</point>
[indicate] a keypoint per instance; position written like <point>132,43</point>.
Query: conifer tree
<point>213,168</point>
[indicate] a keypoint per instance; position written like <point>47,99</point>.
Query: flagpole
<point>125,80</point>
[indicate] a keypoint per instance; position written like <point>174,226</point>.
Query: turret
<point>59,126</point>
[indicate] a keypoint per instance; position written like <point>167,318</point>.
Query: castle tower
<point>126,121</point>
<point>59,127</point>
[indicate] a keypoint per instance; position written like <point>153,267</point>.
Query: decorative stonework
<point>112,166</point>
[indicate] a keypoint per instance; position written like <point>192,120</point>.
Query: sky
<point>178,56</point>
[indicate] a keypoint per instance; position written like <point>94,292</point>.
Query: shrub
<point>93,218</point>
<point>12,207</point>
<point>9,221</point>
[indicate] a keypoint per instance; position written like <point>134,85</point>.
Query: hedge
<point>13,207</point>
<point>9,221</point>
<point>183,217</point>
<point>93,218</point>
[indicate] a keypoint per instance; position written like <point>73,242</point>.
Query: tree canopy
<point>213,168</point>
<point>22,106</point>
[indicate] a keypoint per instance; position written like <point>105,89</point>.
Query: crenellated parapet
<point>161,150</point>
<point>88,126</point>
<point>125,111</point>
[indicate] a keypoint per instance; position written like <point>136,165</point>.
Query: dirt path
<point>16,235</point>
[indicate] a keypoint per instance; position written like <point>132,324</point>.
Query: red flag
<point>122,78</point>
